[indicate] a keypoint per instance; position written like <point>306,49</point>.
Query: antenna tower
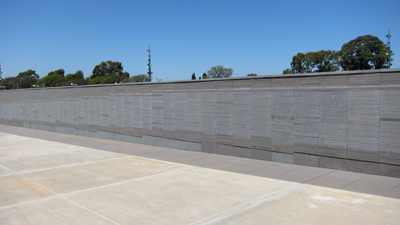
<point>149,64</point>
<point>1,78</point>
<point>389,52</point>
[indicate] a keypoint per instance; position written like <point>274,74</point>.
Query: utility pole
<point>389,52</point>
<point>149,64</point>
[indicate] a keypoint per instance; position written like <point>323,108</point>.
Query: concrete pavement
<point>52,178</point>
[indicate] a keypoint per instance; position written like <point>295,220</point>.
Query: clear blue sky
<point>186,36</point>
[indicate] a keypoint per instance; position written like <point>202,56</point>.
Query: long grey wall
<point>344,120</point>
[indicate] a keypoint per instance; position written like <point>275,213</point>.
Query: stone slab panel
<point>261,119</point>
<point>390,136</point>
<point>333,81</point>
<point>332,152</point>
<point>282,120</point>
<point>261,154</point>
<point>363,120</point>
<point>332,163</point>
<point>305,159</point>
<point>241,152</point>
<point>389,158</point>
<point>365,79</point>
<point>261,143</point>
<point>390,103</point>
<point>209,147</point>
<point>282,157</point>
<point>224,149</point>
<point>363,167</point>
<point>390,78</point>
<point>242,117</point>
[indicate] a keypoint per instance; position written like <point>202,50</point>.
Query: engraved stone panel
<point>261,119</point>
<point>168,113</point>
<point>363,122</point>
<point>282,115</point>
<point>242,117</point>
<point>307,115</point>
<point>333,113</point>
<point>223,113</point>
<point>208,108</point>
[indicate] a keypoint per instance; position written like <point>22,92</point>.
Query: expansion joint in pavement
<point>251,205</point>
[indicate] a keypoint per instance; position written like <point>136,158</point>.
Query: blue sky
<point>186,37</point>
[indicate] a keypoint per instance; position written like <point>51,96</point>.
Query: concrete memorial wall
<point>339,120</point>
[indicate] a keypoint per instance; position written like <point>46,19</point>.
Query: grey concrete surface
<point>53,178</point>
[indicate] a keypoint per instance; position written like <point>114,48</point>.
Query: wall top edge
<point>270,77</point>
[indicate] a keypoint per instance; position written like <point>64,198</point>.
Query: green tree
<point>287,71</point>
<point>321,61</point>
<point>23,80</point>
<point>111,71</point>
<point>53,79</point>
<point>10,82</point>
<point>219,72</point>
<point>324,60</point>
<point>301,63</point>
<point>363,53</point>
<point>136,79</point>
<point>27,81</point>
<point>252,75</point>
<point>204,76</point>
<point>28,73</point>
<point>193,76</point>
<point>75,76</point>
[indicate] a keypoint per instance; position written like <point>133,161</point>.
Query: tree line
<point>363,53</point>
<point>108,72</point>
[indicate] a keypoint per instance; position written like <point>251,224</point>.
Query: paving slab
<point>50,211</point>
<point>5,171</point>
<point>308,204</point>
<point>305,174</point>
<point>70,183</point>
<point>57,159</point>
<point>377,185</point>
<point>15,189</point>
<point>337,179</point>
<point>99,173</point>
<point>183,197</point>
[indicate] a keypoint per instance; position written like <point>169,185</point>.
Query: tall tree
<point>324,60</point>
<point>28,73</point>
<point>193,76</point>
<point>204,76</point>
<point>27,79</point>
<point>321,61</point>
<point>75,76</point>
<point>287,71</point>
<point>219,72</point>
<point>10,82</point>
<point>53,79</point>
<point>363,53</point>
<point>107,73</point>
<point>301,63</point>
